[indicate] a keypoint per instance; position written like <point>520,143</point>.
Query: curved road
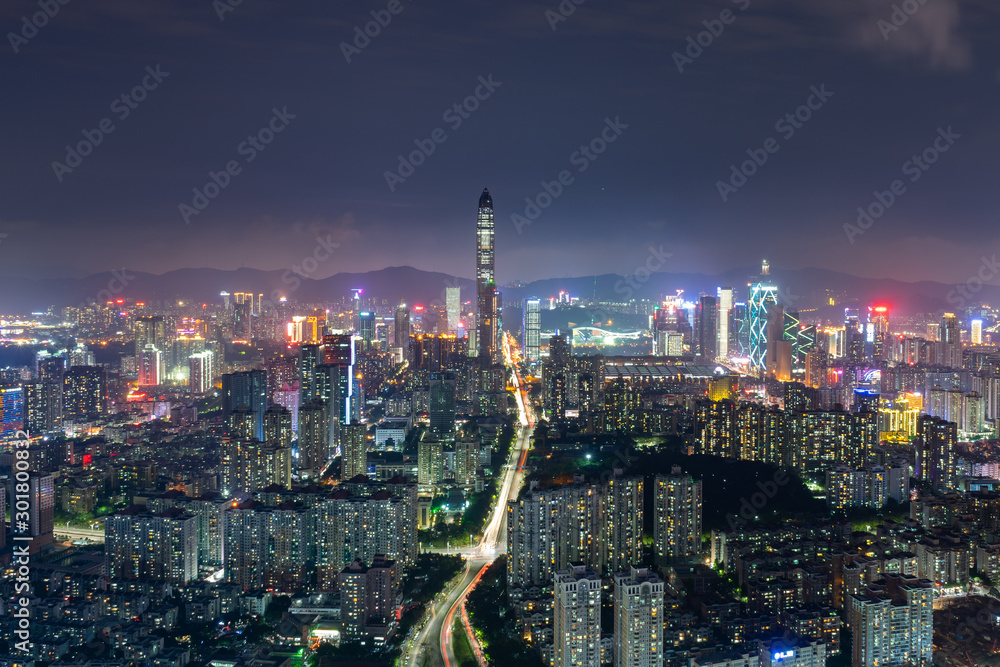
<point>433,645</point>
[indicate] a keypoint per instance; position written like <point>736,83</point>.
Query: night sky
<point>550,91</point>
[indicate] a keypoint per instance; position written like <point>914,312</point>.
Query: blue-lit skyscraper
<point>762,297</point>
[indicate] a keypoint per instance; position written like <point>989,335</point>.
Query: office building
<point>706,329</point>
<point>453,308</point>
<point>761,300</point>
<point>487,305</point>
<point>150,366</point>
<point>366,329</point>
<point>150,330</point>
<point>724,299</point>
<point>442,402</point>
<point>531,330</point>
<point>247,391</point>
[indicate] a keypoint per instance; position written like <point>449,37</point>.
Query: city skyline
<point>892,90</point>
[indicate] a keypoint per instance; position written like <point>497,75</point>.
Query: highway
<point>433,645</point>
<point>434,641</point>
<point>75,533</point>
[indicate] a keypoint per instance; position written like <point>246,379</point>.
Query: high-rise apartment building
<point>677,520</point>
<point>85,392</point>
<point>145,545</point>
<point>638,596</point>
<point>576,618</point>
<point>621,536</point>
<point>354,451</point>
<point>892,622</point>
<point>936,440</point>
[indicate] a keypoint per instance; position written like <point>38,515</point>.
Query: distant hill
<point>803,289</point>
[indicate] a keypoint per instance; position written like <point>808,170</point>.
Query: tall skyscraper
<point>950,345</point>
<point>638,596</point>
<point>246,390</point>
<point>338,350</point>
<point>442,398</point>
<point>724,296</point>
<point>366,328</point>
<point>150,366</point>
<point>486,289</point>
<point>707,331</point>
<point>150,330</point>
<point>761,299</point>
<point>453,307</point>
<point>531,329</point>
<point>677,516</point>
<point>576,617</point>
<point>976,332</point>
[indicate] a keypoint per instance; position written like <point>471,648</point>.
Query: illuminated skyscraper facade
<point>532,329</point>
<point>486,291</point>
<point>724,297</point>
<point>762,298</point>
<point>453,307</point>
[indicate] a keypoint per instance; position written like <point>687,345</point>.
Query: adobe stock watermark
<point>899,17</point>
<point>628,285</point>
<point>363,36</point>
<point>223,7</point>
<point>963,292</point>
<point>120,278</point>
<point>914,168</point>
<point>306,268</point>
<point>581,158</point>
<point>696,44</point>
<point>750,507</point>
<point>455,116</point>
<point>248,149</point>
<point>565,9</point>
<point>786,126</point>
<point>122,107</point>
<point>20,513</point>
<point>37,21</point>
